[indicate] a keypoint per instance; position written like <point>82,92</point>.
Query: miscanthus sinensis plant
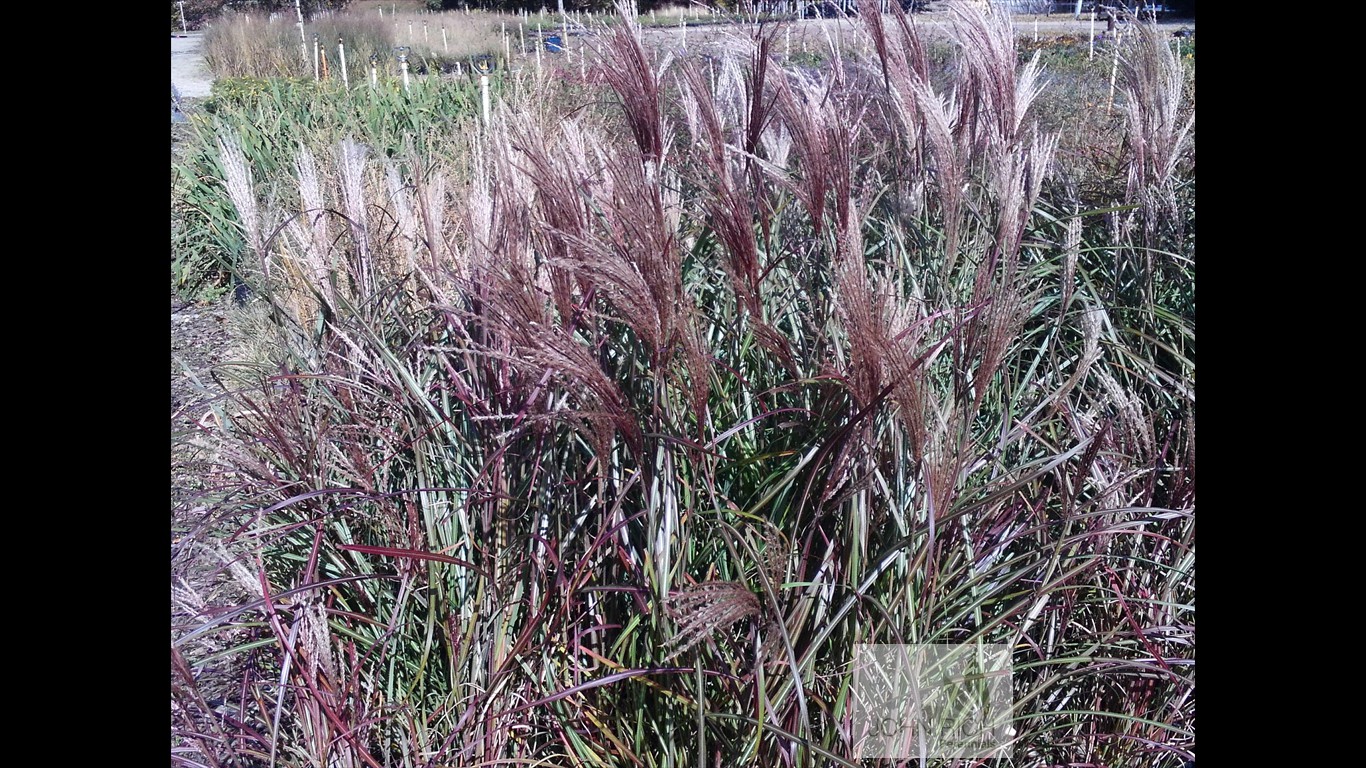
<point>605,441</point>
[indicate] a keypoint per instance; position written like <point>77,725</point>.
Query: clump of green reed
<point>271,118</point>
<point>605,440</point>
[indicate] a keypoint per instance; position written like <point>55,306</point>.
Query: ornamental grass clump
<point>269,121</point>
<point>603,435</point>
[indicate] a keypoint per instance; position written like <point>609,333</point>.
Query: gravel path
<point>189,75</point>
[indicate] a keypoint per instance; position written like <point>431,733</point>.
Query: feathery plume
<point>701,609</point>
<point>237,179</point>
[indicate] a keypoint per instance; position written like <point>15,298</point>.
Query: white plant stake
<point>315,56</point>
<point>484,90</point>
<point>1091,45</point>
<point>374,72</point>
<point>426,40</point>
<point>410,30</point>
<point>183,26</point>
<point>341,56</point>
<point>303,41</point>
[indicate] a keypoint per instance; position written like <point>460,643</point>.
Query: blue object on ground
<point>554,44</point>
<point>176,115</point>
